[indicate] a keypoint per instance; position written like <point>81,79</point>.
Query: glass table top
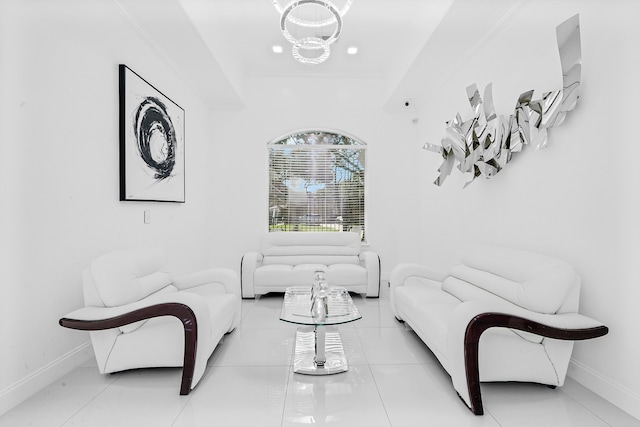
<point>297,307</point>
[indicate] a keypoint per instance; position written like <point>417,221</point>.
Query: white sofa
<point>131,305</point>
<point>290,259</point>
<point>529,301</point>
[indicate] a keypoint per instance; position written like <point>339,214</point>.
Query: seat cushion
<point>221,305</point>
<point>286,275</point>
<point>427,310</point>
<point>283,275</point>
<point>346,275</point>
<point>310,259</point>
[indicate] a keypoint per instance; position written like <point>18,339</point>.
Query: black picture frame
<point>152,143</point>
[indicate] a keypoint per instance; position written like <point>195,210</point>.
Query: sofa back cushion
<point>303,247</point>
<point>532,281</point>
<point>129,275</point>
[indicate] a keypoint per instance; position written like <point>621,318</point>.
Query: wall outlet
<point>147,217</point>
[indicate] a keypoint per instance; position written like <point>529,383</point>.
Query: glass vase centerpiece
<point>319,296</point>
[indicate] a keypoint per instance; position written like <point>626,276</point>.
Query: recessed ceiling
<point>215,45</point>
<point>388,34</point>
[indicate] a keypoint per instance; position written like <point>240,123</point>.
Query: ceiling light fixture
<point>276,48</point>
<point>352,50</point>
<point>302,23</point>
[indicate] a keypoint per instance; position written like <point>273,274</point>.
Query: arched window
<point>317,183</point>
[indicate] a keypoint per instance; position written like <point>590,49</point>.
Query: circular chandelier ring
<point>314,24</point>
<point>311,43</point>
<point>297,3</point>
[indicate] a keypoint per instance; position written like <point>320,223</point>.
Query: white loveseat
<point>140,316</point>
<point>290,259</point>
<point>529,301</point>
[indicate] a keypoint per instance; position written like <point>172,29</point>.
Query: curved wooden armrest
<point>369,258</point>
<point>180,311</point>
<point>484,321</point>
<point>248,264</point>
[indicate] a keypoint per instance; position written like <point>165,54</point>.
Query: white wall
<point>276,107</point>
<point>578,199</point>
<point>59,176</point>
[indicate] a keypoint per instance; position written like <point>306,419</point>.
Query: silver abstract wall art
<point>485,143</point>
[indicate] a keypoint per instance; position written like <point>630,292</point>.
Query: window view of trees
<point>316,183</point>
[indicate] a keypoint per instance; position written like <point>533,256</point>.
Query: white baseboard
<point>16,393</point>
<point>617,394</point>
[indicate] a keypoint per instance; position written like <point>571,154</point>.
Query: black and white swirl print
<point>156,137</point>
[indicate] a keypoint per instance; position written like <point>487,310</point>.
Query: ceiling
<point>216,44</point>
<point>388,34</point>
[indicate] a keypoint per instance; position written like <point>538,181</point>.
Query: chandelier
<point>311,26</point>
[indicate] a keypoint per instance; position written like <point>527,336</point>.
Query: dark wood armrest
<point>484,321</point>
<point>379,278</point>
<point>180,311</point>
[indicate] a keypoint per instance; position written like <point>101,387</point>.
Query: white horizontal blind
<point>316,183</point>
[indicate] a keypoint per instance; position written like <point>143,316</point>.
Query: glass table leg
<point>321,336</point>
<point>318,351</point>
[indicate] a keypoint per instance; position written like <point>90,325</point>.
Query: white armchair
<point>131,301</point>
<point>522,307</point>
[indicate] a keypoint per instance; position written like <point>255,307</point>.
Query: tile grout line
<point>487,411</point>
<point>583,406</point>
<point>185,404</point>
<point>90,400</point>
<point>379,395</point>
<point>286,390</point>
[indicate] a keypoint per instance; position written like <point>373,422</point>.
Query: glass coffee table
<point>318,347</point>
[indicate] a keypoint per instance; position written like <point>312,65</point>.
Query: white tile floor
<point>393,380</point>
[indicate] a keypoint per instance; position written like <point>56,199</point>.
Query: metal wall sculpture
<point>484,144</point>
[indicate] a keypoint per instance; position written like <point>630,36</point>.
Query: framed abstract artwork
<point>152,165</point>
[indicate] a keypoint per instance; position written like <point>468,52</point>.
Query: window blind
<point>317,186</point>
